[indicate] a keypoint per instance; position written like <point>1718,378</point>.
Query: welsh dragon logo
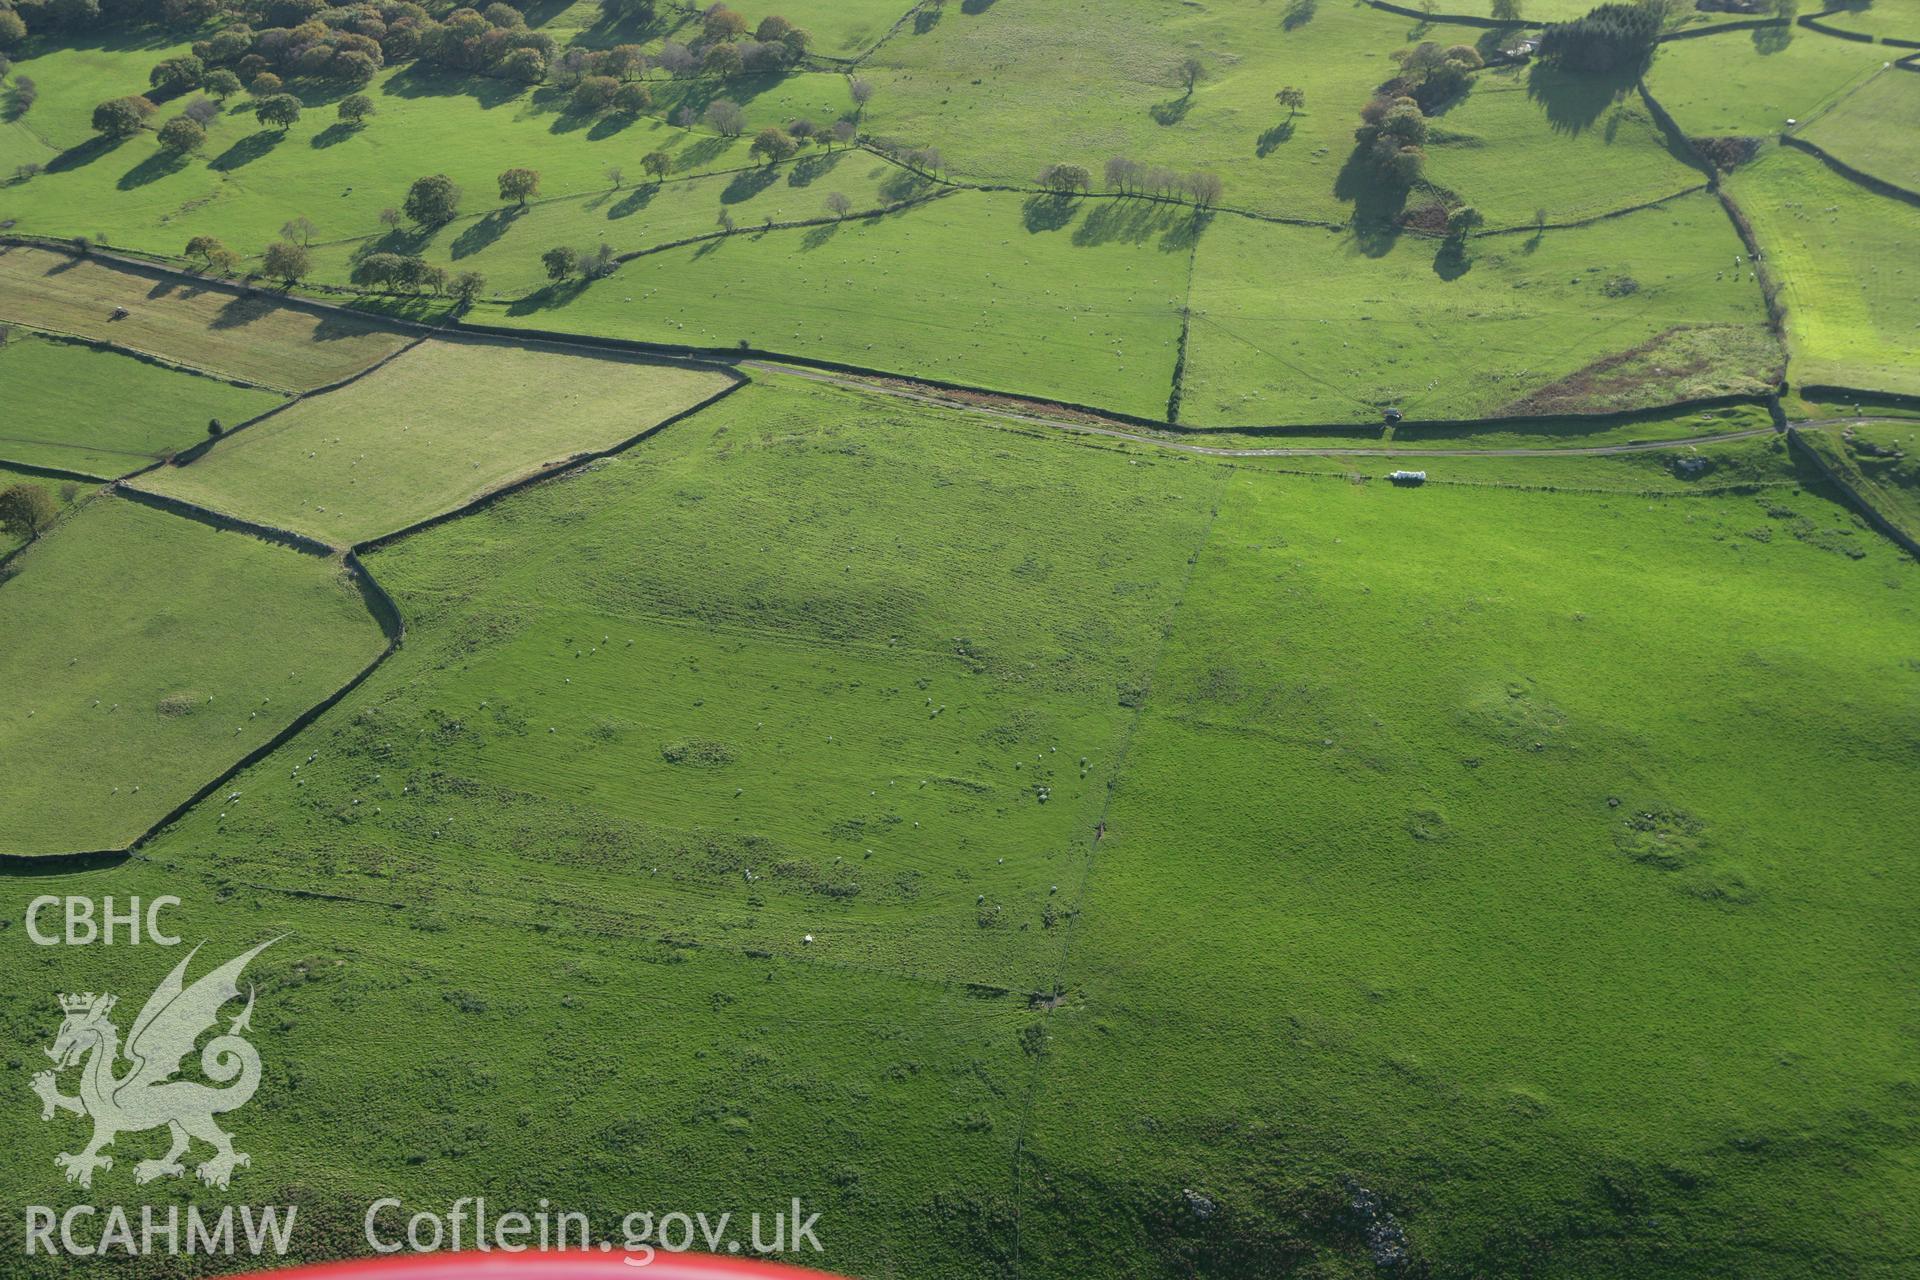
<point>145,1096</point>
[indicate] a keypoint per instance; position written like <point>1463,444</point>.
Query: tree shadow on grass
<point>975,6</point>
<point>1171,112</point>
<point>1185,230</point>
<point>635,200</point>
<point>1132,221</point>
<point>609,31</point>
<point>243,310</point>
<point>749,183</point>
<point>540,12</point>
<point>1574,100</point>
<point>482,232</point>
<point>818,236</point>
<point>707,149</point>
<point>548,99</point>
<point>557,294</point>
<point>904,184</point>
<point>811,168</point>
<point>315,93</point>
<point>1452,262</point>
<point>571,121</point>
<point>245,151</point>
<point>334,327</point>
<point>611,125</point>
<point>332,136</point>
<point>1768,41</point>
<point>160,164</point>
<point>1377,203</point>
<point>1272,139</point>
<point>403,240</point>
<point>1049,212</point>
<point>185,290</point>
<point>417,81</point>
<point>84,154</point>
<point>1299,14</point>
<point>927,18</point>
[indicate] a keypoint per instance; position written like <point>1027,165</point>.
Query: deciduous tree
<point>26,510</point>
<point>519,185</point>
<point>773,145</point>
<point>176,74</point>
<point>722,61</point>
<point>281,110</point>
<point>433,201</point>
<point>1066,178</point>
<point>182,136</point>
<point>285,261</point>
<point>724,116</point>
<point>121,117</point>
<point>593,95</point>
<point>723,23</point>
<point>221,83</point>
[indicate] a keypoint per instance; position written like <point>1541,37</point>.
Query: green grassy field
<point>248,338</point>
<point>1041,853</point>
<point>69,82</point>
<point>1849,282</point>
<point>886,668</point>
<point>505,244</point>
<point>1441,337</point>
<point>1534,11</point>
<point>248,180</point>
<point>1081,304</point>
<point>843,28</point>
<point>1749,83</point>
<point>1325,895</point>
<point>1876,129</point>
<point>1011,87</point>
<point>63,492</point>
<point>1881,463</point>
<point>82,409</point>
<point>1310,850</point>
<point>673,1074</point>
<point>1880,19</point>
<point>443,424</point>
<point>1532,139</point>
<point>146,654</point>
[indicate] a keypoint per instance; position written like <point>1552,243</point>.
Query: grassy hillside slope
<point>79,408</point>
<point>247,337</point>
<point>148,653</point>
<point>1323,723</point>
<point>434,429</point>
